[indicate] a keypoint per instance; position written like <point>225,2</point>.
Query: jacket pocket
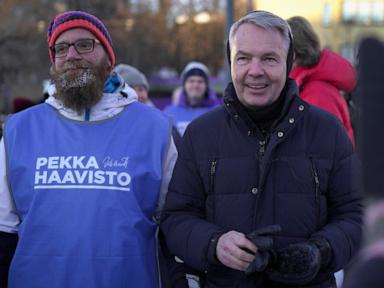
<point>321,169</point>
<point>228,184</point>
<point>295,187</point>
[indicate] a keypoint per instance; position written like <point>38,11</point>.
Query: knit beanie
<point>195,69</point>
<point>78,19</point>
<point>132,76</point>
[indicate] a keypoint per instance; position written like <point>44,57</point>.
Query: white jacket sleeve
<point>9,220</point>
<point>169,164</point>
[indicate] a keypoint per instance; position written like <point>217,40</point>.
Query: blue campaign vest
<point>182,116</point>
<point>86,193</point>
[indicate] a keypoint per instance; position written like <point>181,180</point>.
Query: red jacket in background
<point>321,84</point>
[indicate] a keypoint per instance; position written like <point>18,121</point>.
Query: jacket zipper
<point>262,147</point>
<point>212,186</point>
<point>213,173</point>
<point>317,187</point>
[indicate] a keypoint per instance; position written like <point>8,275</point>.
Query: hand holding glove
<point>264,243</point>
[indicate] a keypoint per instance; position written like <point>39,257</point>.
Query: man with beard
<point>83,175</point>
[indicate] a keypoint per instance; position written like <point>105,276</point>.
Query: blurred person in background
<point>20,103</point>
<point>195,98</point>
<point>367,269</point>
<point>137,80</point>
<point>321,74</point>
<point>83,175</point>
<point>176,95</point>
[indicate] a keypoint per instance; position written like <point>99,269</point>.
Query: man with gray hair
<point>264,191</point>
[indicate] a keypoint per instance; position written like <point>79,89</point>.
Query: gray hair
<point>266,20</point>
<point>132,76</point>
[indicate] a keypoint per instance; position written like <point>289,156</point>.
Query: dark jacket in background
<point>8,242</point>
<point>367,274</point>
<point>229,177</point>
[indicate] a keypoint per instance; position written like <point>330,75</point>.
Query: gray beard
<point>81,88</point>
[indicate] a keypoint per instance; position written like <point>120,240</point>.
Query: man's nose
<point>256,68</point>
<point>72,53</point>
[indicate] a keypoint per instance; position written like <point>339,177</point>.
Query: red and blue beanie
<point>78,19</point>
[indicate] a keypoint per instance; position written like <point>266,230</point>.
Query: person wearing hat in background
<point>196,96</point>
<point>321,74</point>
<point>264,190</point>
<point>137,80</point>
<point>86,172</point>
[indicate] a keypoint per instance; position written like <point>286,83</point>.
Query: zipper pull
<point>213,172</point>
<point>212,187</point>
<point>213,167</point>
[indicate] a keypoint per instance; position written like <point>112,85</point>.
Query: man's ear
<point>228,53</point>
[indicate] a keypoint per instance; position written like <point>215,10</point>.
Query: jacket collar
<point>109,105</point>
<point>291,111</point>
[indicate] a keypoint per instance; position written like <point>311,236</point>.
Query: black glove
<point>264,243</point>
<point>298,264</point>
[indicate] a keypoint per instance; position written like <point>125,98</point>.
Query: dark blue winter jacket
<point>303,176</point>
